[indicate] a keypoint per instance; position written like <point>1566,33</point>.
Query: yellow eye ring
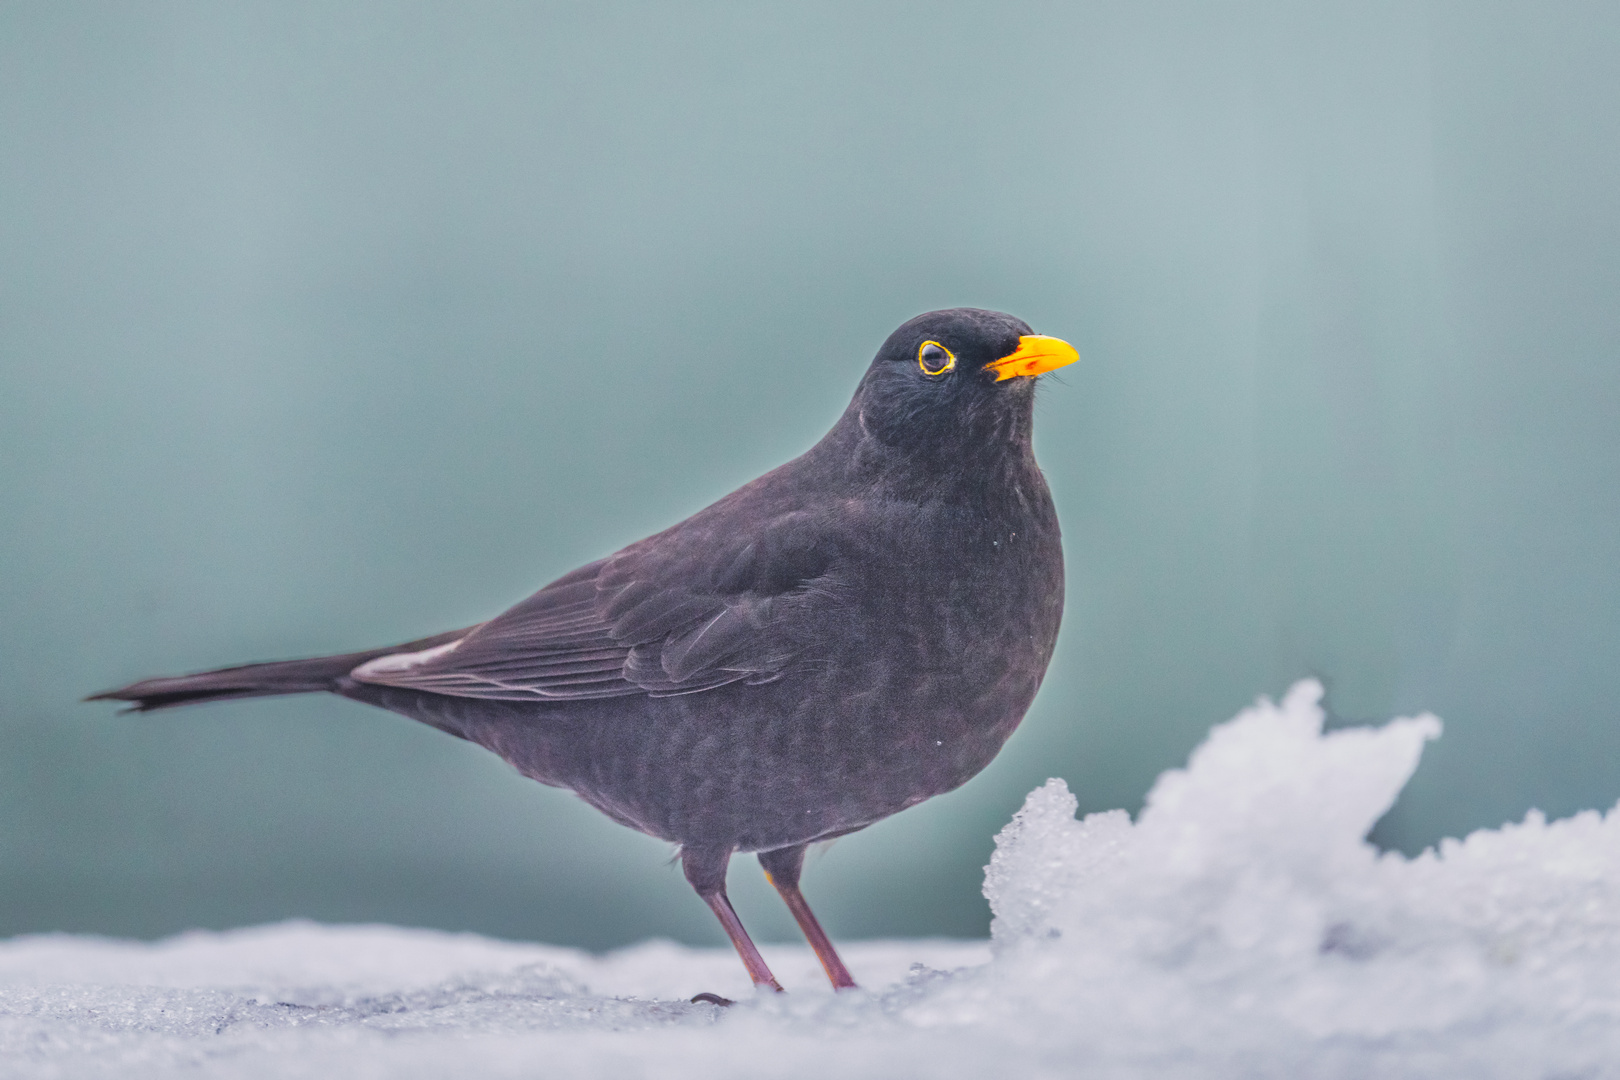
<point>932,350</point>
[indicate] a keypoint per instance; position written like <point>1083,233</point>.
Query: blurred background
<point>329,325</point>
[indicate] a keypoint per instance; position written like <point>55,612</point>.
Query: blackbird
<point>844,637</point>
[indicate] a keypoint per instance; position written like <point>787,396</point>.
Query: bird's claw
<point>712,999</point>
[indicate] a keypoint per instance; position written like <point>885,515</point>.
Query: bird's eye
<point>934,358</point>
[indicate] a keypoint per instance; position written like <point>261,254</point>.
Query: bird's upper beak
<point>1036,353</point>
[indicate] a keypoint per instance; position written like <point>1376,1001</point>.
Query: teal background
<point>328,325</point>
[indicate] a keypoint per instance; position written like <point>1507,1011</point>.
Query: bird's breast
<point>960,609</point>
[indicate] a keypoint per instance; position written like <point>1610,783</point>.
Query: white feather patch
<point>403,661</point>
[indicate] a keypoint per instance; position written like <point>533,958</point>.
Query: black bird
<point>844,637</point>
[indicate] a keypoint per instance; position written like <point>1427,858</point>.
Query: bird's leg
<point>782,869</point>
<point>706,870</point>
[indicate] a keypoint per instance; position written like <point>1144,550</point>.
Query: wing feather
<point>657,619</point>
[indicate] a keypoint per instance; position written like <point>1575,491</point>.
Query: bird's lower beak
<point>1036,353</point>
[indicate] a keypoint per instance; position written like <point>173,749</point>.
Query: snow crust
<point>1240,927</point>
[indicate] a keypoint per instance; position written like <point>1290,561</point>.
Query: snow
<point>1240,927</point>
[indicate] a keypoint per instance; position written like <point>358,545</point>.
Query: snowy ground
<point>1240,927</point>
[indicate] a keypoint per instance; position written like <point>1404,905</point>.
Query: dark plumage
<point>844,637</point>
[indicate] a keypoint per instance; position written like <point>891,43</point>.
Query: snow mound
<point>1241,927</point>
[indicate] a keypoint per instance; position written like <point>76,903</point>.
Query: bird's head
<point>956,380</point>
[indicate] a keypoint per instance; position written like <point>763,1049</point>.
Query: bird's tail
<point>255,680</point>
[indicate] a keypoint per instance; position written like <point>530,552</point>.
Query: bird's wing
<point>675,614</point>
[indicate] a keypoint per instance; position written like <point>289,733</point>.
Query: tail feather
<point>314,675</point>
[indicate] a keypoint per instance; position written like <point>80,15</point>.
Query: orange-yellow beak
<point>1036,353</point>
